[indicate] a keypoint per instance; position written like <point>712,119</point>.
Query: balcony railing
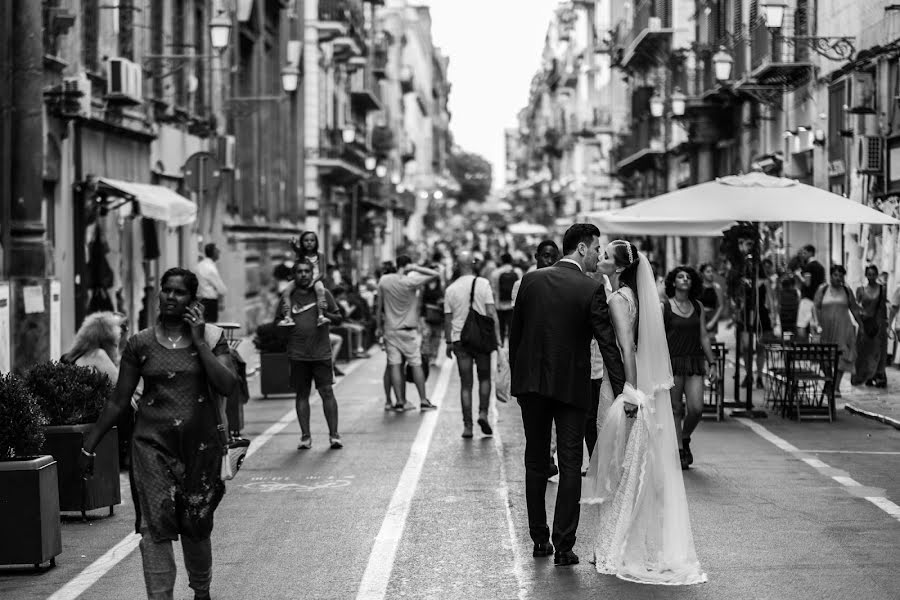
<point>342,18</point>
<point>774,61</point>
<point>638,148</point>
<point>651,30</point>
<point>365,93</point>
<point>339,156</point>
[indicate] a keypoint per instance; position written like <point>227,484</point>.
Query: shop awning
<point>155,201</point>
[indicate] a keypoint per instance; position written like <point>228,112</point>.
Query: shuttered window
<point>90,34</point>
<point>837,97</point>
<point>156,47</point>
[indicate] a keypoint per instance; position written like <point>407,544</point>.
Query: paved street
<point>410,510</point>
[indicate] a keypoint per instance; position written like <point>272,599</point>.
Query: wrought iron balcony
<point>649,39</point>
<point>339,160</point>
<point>776,61</point>
<point>365,94</point>
<point>344,22</point>
<point>640,148</point>
<point>599,123</point>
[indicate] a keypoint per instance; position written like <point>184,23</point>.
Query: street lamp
<point>220,31</point>
<point>774,13</point>
<point>290,77</point>
<point>381,171</point>
<point>371,163</point>
<point>679,101</point>
<point>396,179</point>
<point>723,64</point>
<point>656,105</point>
<point>348,135</point>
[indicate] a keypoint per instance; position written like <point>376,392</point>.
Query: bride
<point>635,478</point>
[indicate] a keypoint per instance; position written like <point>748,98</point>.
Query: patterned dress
<point>176,453</point>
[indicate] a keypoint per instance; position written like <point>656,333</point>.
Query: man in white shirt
<point>211,287</point>
<point>456,309</point>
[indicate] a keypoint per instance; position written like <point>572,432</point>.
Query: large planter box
<point>29,512</point>
<point>64,443</point>
<point>275,374</point>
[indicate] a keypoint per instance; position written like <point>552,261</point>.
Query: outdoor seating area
<point>799,379</point>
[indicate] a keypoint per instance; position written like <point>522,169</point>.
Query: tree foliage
<point>473,173</point>
<point>21,419</point>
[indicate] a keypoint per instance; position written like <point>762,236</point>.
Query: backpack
<point>506,282</point>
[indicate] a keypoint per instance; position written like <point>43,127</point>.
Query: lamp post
<point>220,31</point>
<point>657,106</point>
<point>773,10</point>
<point>679,102</point>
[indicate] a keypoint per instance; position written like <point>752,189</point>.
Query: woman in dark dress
<point>690,351</point>
<point>871,339</point>
<point>712,297</point>
<point>176,451</point>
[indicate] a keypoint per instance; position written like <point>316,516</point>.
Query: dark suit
<point>557,311</point>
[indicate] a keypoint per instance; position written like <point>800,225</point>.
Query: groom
<point>557,311</point>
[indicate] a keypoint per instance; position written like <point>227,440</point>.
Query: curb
<point>870,415</point>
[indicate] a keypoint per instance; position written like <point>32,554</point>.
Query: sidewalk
<point>882,404</point>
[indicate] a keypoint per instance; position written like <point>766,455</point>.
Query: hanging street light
<point>371,163</point>
<point>774,13</point>
<point>679,102</point>
<point>723,64</point>
<point>290,78</point>
<point>381,171</point>
<point>220,31</point>
<point>656,105</point>
<point>348,135</point>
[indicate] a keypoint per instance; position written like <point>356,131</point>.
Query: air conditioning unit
<point>871,154</point>
<point>80,87</point>
<point>123,81</point>
<point>862,92</point>
<point>225,154</point>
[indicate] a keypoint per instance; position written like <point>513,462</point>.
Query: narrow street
<point>410,510</point>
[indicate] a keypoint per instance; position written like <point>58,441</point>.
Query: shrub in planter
<point>274,366</point>
<point>72,397</point>
<point>29,497</point>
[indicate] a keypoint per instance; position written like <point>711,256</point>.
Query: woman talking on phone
<point>690,351</point>
<point>176,451</point>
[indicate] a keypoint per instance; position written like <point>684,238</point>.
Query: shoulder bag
<point>478,335</point>
<point>233,449</point>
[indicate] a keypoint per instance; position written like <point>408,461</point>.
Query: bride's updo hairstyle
<point>625,255</point>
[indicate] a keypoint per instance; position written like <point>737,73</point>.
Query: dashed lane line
<point>100,567</point>
<point>381,560</point>
<point>892,509</point>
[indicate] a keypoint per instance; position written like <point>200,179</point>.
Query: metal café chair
<point>811,371</point>
<point>714,394</point>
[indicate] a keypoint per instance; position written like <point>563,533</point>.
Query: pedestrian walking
<point>310,353</point>
<point>811,276</point>
<point>212,287</point>
<point>690,352</point>
<point>397,318</point>
<point>837,307</point>
<point>503,280</point>
<point>432,302</point>
<point>871,339</point>
<point>176,451</point>
<point>712,297</point>
<point>557,311</point>
<point>470,292</point>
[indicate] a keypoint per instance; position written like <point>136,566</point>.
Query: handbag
<point>477,336</point>
<point>234,449</point>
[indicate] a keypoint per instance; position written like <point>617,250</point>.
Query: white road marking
<point>120,551</point>
<point>885,452</point>
<point>503,492</point>
<point>381,560</point>
<point>881,502</point>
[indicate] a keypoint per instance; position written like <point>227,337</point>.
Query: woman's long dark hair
<point>696,282</point>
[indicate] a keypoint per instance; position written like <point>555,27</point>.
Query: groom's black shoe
<point>565,558</point>
<point>542,550</point>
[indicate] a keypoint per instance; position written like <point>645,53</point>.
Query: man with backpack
<point>503,280</point>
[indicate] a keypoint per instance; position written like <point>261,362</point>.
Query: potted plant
<point>29,496</point>
<point>72,397</point>
<point>274,365</point>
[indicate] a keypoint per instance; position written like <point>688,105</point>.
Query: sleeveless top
<point>683,336</point>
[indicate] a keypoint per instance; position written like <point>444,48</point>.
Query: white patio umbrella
<point>709,208</point>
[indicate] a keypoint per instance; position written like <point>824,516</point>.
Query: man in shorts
<point>397,317</point>
<point>811,277</point>
<point>456,309</point>
<point>309,350</point>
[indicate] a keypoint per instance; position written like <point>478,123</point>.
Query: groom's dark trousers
<point>558,310</point>
<point>538,416</point>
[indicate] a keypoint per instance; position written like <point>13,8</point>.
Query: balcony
<point>364,91</point>
<point>639,149</point>
<point>380,61</point>
<point>344,23</point>
<point>600,123</point>
<point>775,62</point>
<point>338,160</point>
<point>648,41</point>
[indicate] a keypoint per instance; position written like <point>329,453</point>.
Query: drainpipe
<point>29,246</point>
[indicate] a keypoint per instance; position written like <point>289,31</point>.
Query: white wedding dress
<point>634,479</point>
